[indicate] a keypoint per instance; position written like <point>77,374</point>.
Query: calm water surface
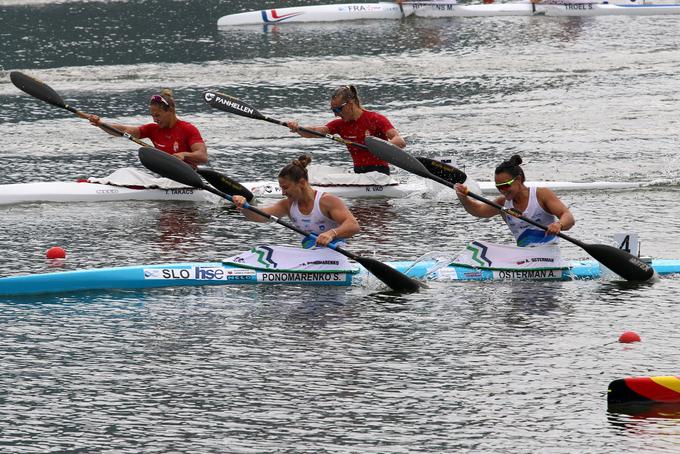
<point>496,367</point>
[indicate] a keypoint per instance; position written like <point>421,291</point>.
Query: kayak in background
<point>123,184</point>
<point>318,13</point>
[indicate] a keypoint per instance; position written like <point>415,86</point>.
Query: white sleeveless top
<point>315,221</point>
<point>525,233</point>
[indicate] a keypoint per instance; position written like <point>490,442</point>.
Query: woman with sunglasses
<point>539,204</point>
<point>314,211</point>
<point>167,132</point>
<point>354,124</point>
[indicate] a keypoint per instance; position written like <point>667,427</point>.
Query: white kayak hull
<point>269,189</point>
<point>317,13</point>
<point>481,10</point>
<point>595,9</point>
<point>219,273</point>
<point>67,191</point>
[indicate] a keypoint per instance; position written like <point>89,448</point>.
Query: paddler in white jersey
<point>309,209</point>
<point>539,204</point>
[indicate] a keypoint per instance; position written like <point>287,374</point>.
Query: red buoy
<point>628,337</point>
<point>56,252</point>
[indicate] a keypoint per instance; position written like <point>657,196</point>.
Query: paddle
<point>619,261</point>
<point>230,104</point>
<point>169,167</point>
<point>224,183</point>
<point>443,170</point>
<point>44,92</point>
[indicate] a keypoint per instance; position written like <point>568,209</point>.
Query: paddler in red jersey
<point>168,133</point>
<point>354,124</point>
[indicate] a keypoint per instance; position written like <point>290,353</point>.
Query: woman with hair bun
<point>539,204</point>
<point>167,132</point>
<point>354,124</point>
<point>309,209</point>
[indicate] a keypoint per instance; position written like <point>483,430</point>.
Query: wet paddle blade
<point>170,167</point>
<point>36,88</point>
<point>394,279</point>
<point>443,171</point>
<point>396,156</point>
<point>225,184</point>
<point>230,104</point>
<point>620,262</point>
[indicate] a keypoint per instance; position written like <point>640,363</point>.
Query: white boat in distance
<point>527,9</point>
<point>390,10</point>
<point>318,13</point>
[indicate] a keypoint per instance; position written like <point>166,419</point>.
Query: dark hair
<point>167,96</point>
<point>296,170</point>
<point>347,93</point>
<point>511,166</point>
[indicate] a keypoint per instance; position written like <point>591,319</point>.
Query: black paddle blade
<point>230,104</point>
<point>621,262</point>
<point>170,167</point>
<point>225,184</point>
<point>396,156</point>
<point>36,88</point>
<point>443,170</point>
<point>394,279</point>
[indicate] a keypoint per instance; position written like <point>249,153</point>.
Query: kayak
<point>389,10</point>
<point>72,191</point>
<point>527,9</point>
<point>476,10</point>
<point>268,189</point>
<point>229,273</point>
<point>317,13</point>
<point>603,9</point>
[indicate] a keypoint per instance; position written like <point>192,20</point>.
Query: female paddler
<point>167,132</point>
<point>353,124</point>
<point>539,204</point>
<point>309,209</point>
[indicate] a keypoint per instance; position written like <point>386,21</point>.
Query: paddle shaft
<point>317,133</point>
<point>236,106</point>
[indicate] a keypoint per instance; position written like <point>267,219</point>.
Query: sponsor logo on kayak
<point>277,17</point>
<point>360,8</point>
<point>528,274</point>
<point>107,191</point>
<point>374,188</point>
<point>199,273</point>
<point>300,277</point>
<point>208,96</point>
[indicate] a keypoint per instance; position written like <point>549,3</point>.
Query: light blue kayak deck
<point>217,273</point>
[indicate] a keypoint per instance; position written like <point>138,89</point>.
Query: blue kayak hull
<point>217,273</point>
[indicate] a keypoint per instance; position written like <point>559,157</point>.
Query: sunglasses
<point>338,110</point>
<point>159,100</point>
<point>505,185</point>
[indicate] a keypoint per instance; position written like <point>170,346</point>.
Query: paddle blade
<point>620,262</point>
<point>444,171</point>
<point>396,156</point>
<point>225,184</point>
<point>394,279</point>
<point>168,166</point>
<point>230,104</point>
<point>36,88</point>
